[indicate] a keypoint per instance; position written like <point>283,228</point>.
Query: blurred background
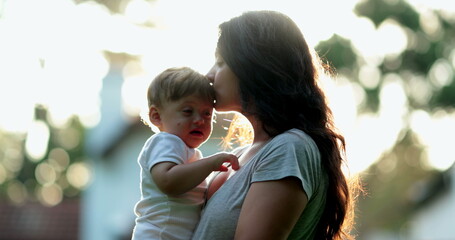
<point>73,76</point>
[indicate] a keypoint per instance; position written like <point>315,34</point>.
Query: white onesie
<point>160,216</point>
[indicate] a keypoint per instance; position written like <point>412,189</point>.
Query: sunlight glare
<point>79,93</point>
<point>363,38</point>
<point>365,143</point>
<point>138,11</point>
<point>393,99</point>
<point>134,88</point>
<point>390,38</point>
<point>37,140</point>
<point>431,130</point>
<point>342,101</point>
<point>133,101</point>
<point>369,76</point>
<point>19,79</point>
<point>357,130</point>
<point>52,52</point>
<point>393,108</point>
<point>372,134</point>
<point>359,94</point>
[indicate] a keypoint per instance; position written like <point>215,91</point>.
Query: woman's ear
<point>154,116</point>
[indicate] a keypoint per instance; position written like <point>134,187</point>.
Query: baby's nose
<point>199,119</point>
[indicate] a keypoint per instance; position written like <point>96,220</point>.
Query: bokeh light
<point>59,159</point>
<point>79,175</point>
<point>69,137</point>
<point>58,55</point>
<point>45,174</point>
<point>13,159</point>
<point>17,192</point>
<point>49,195</point>
<point>41,54</point>
<point>441,73</point>
<point>369,76</point>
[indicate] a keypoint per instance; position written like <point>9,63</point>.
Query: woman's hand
<point>271,209</point>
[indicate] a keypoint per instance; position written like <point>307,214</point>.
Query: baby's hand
<point>223,157</point>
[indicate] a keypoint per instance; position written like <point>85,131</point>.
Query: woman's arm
<point>176,179</point>
<point>271,209</point>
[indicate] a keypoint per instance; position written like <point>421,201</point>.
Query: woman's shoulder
<point>294,140</point>
<point>294,136</point>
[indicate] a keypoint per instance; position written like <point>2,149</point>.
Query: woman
<point>290,185</point>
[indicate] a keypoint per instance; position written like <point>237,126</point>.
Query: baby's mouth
<point>196,133</point>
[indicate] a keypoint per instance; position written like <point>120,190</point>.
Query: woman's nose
<point>211,75</point>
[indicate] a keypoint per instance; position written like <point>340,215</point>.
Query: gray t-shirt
<point>292,153</point>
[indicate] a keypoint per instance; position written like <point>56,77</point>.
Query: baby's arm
<point>176,179</point>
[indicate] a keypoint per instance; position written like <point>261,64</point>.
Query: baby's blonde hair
<point>174,84</point>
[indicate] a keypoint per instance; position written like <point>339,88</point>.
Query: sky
<point>55,44</point>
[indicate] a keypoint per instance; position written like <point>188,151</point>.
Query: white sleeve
<point>165,148</point>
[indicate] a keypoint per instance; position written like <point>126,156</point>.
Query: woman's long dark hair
<point>278,79</point>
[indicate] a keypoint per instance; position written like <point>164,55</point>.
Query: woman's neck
<point>260,135</point>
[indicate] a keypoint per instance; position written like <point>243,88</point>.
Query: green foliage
<point>420,62</point>
<point>393,181</point>
<point>380,10</point>
<point>423,50</point>
<point>445,97</point>
<point>338,51</point>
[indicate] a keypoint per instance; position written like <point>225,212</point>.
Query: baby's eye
<point>187,111</point>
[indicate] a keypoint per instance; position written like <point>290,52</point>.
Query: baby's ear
<point>154,116</point>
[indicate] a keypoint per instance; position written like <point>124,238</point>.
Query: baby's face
<point>190,118</point>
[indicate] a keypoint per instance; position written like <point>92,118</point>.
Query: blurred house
<point>113,147</point>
